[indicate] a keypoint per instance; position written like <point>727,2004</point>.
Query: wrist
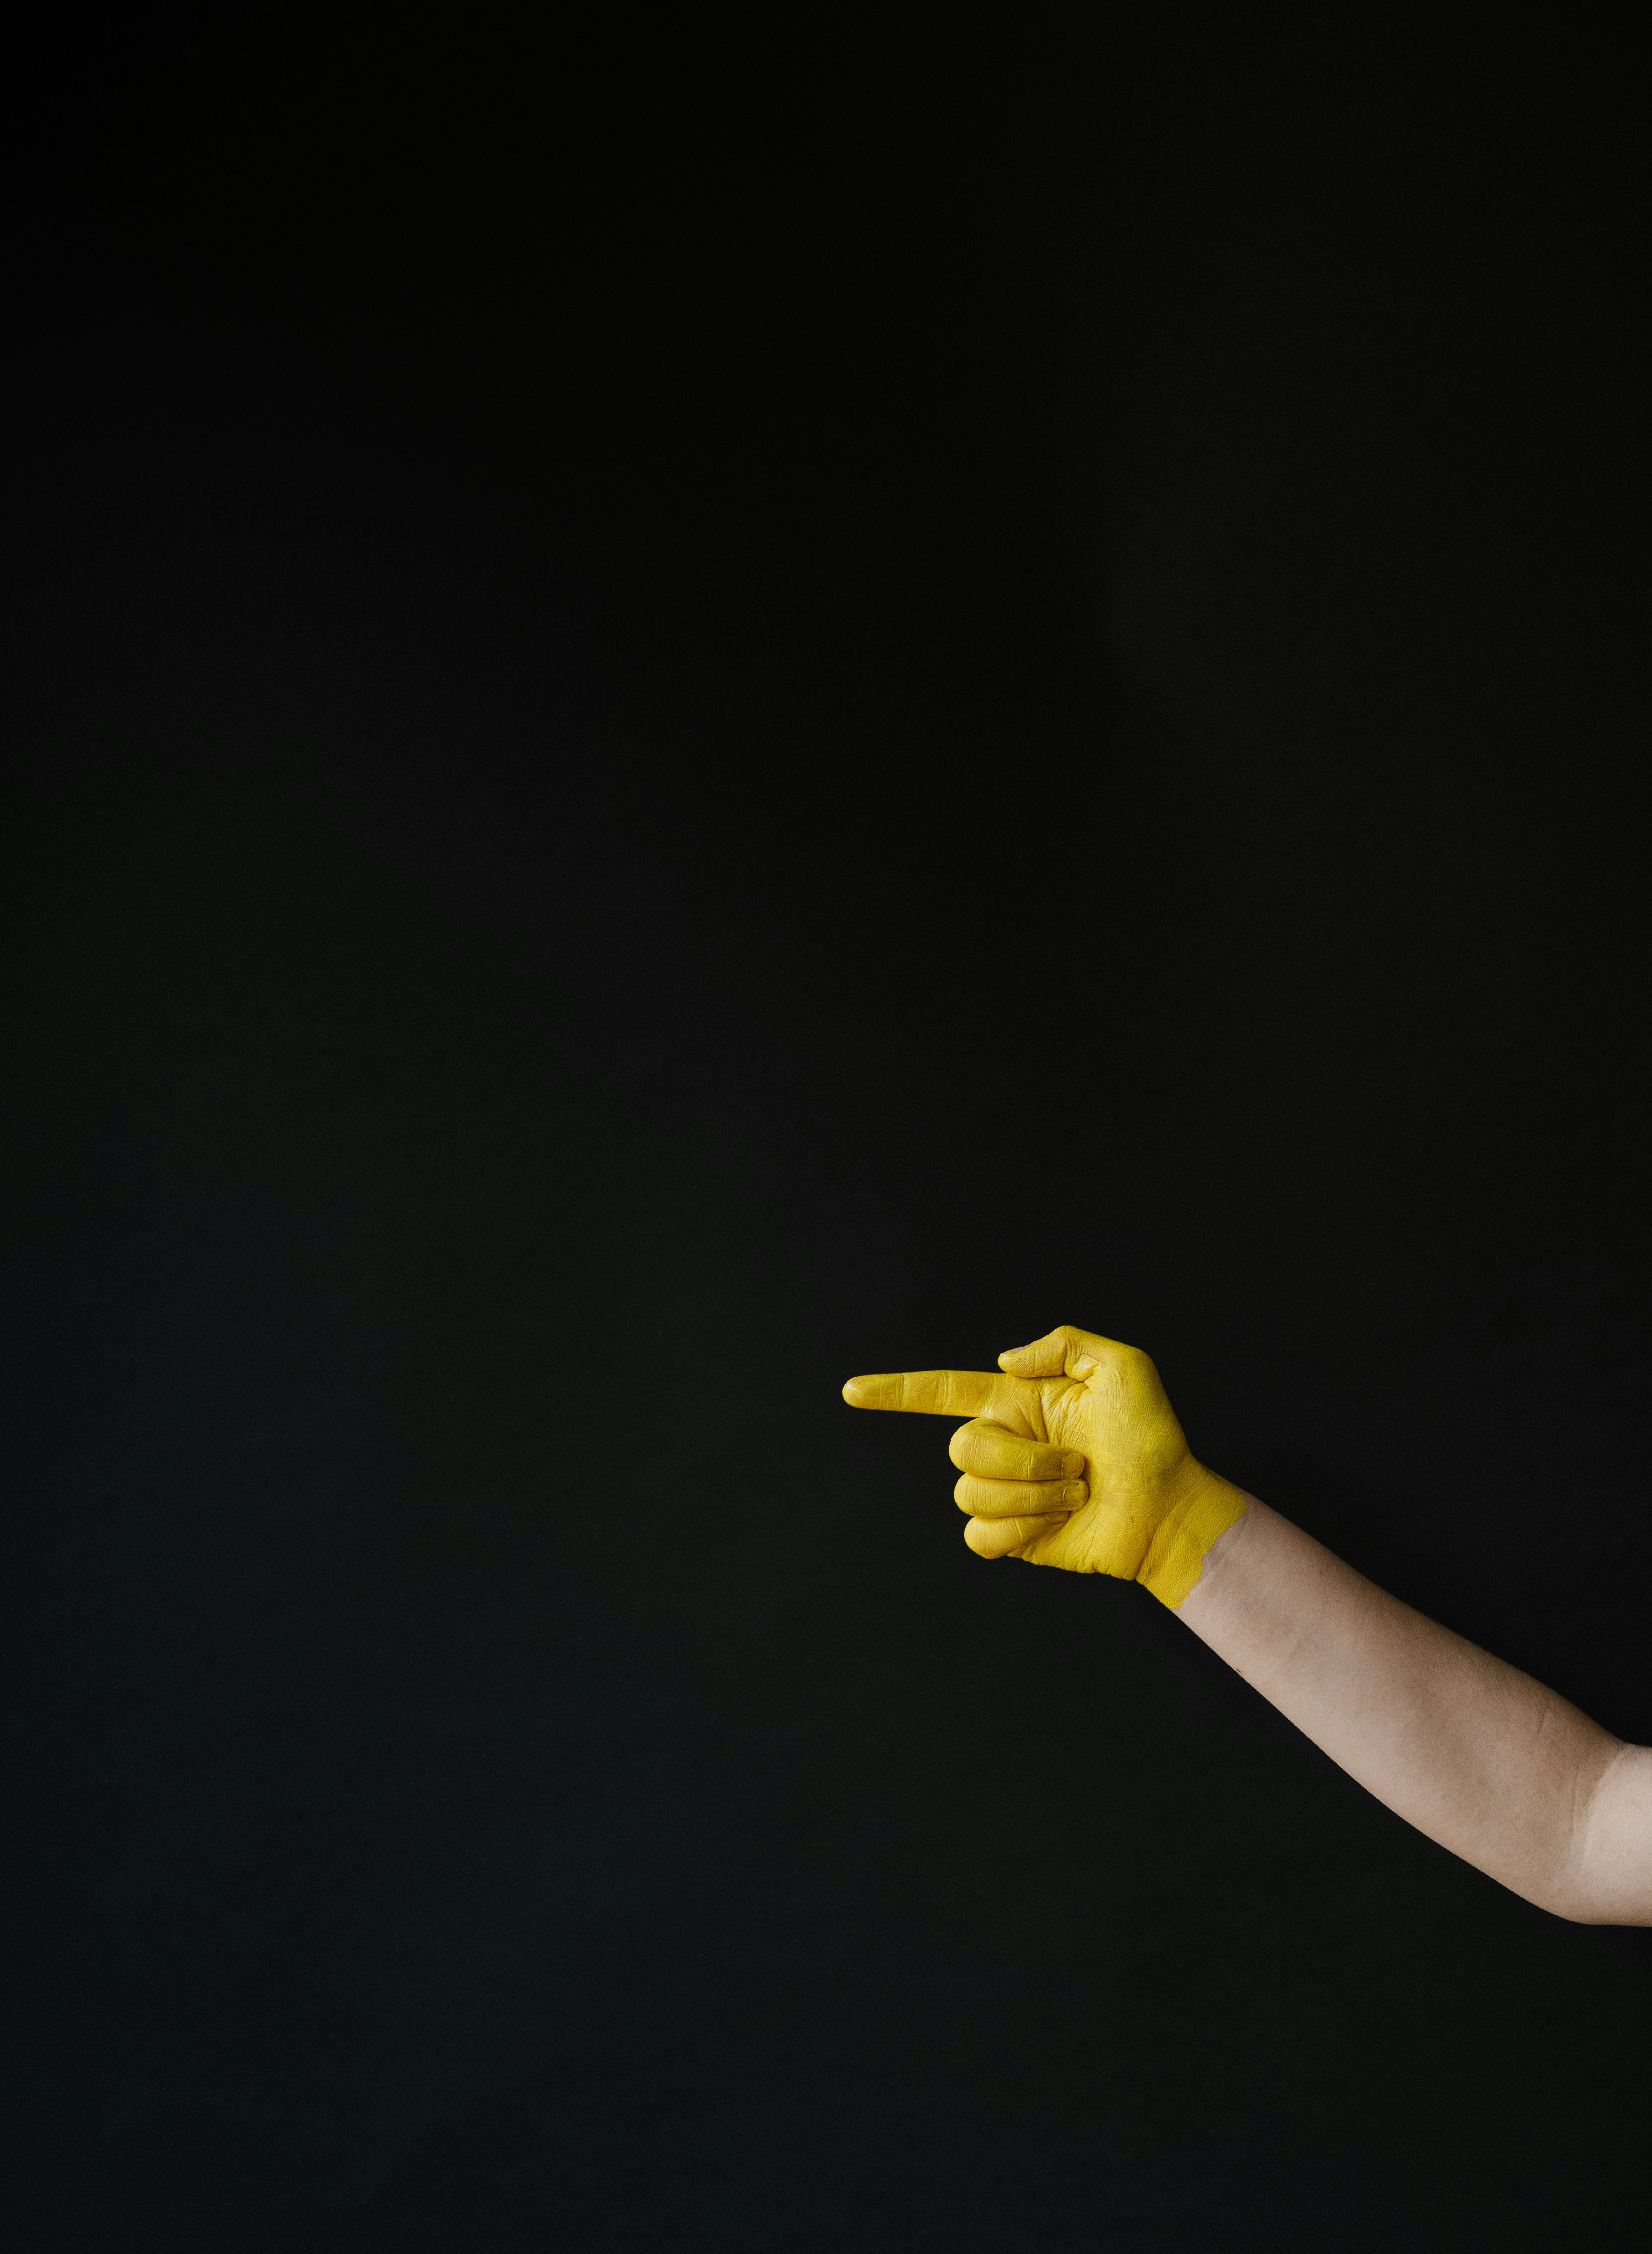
<point>1202,1507</point>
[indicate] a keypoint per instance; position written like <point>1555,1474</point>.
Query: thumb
<point>1063,1353</point>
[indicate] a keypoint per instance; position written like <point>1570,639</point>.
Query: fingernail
<point>1077,1495</point>
<point>1072,1468</point>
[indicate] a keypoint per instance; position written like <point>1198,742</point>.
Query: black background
<point>702,707</point>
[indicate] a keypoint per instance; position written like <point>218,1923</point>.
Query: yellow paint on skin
<point>1153,1512</point>
<point>1185,1536</point>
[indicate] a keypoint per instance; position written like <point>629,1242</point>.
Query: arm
<point>1074,1457</point>
<point>1476,1754</point>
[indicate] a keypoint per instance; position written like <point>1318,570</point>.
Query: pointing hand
<point>1072,1457</point>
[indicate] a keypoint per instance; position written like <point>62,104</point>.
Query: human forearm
<point>1489,1763</point>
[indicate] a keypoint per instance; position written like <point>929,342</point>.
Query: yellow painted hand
<point>1073,1456</point>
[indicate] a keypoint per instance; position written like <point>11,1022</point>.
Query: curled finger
<point>1003,1498</point>
<point>1002,1538</point>
<point>995,1451</point>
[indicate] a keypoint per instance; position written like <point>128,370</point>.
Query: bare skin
<point>1504,1773</point>
<point>1073,1456</point>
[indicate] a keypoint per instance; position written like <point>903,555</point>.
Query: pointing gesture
<point>1072,1456</point>
<point>1069,1454</point>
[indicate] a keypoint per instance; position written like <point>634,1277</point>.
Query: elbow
<point>1573,1915</point>
<point>1594,1913</point>
<point>1605,1876</point>
<point>1575,1912</point>
<point>1583,1900</point>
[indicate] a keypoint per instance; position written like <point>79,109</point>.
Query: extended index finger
<point>931,1392</point>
